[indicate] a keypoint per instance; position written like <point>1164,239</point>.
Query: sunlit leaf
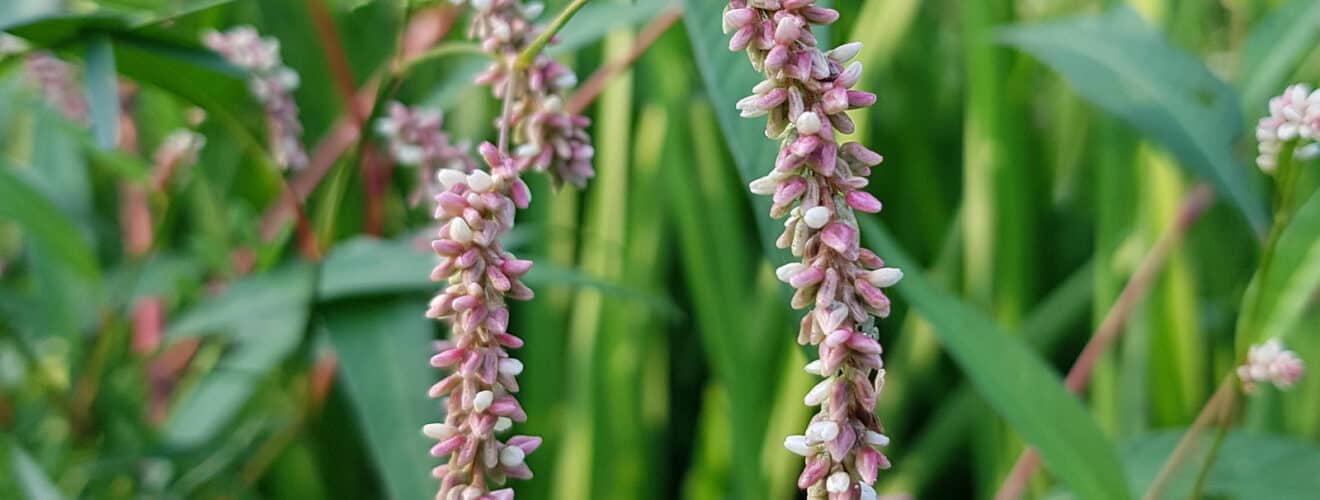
<point>1124,66</point>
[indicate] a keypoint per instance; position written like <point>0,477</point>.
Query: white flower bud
<point>512,456</point>
<point>845,52</point>
<point>814,367</point>
<point>482,401</point>
<point>449,177</point>
<point>460,231</point>
<point>510,366</point>
<point>868,492</point>
<point>838,482</point>
<point>438,431</point>
<point>808,123</point>
<point>503,424</point>
<point>877,439</point>
<point>822,431</point>
<point>764,186</point>
<point>885,277</point>
<point>819,393</point>
<point>480,181</point>
<point>787,271</point>
<point>816,217</point>
<point>799,446</point>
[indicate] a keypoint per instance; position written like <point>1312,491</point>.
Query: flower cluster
<point>56,80</point>
<point>271,82</point>
<point>548,137</point>
<point>475,210</point>
<point>817,183</point>
<point>1270,363</point>
<point>416,139</point>
<point>1294,116</point>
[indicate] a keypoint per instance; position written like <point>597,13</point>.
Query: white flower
<point>885,277</point>
<point>816,217</point>
<point>460,231</point>
<point>819,393</point>
<point>838,482</point>
<point>511,456</point>
<point>822,431</point>
<point>808,123</point>
<point>798,445</point>
<point>438,431</point>
<point>482,401</point>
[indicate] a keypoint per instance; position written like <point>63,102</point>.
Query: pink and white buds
<point>1270,363</point>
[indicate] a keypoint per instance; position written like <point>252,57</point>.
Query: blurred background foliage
<point>1036,153</point>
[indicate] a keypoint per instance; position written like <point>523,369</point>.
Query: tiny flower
<point>1269,362</point>
<point>799,446</point>
<point>822,431</point>
<point>1294,118</point>
<point>838,482</point>
<point>885,277</point>
<point>512,456</point>
<point>816,217</point>
<point>271,82</point>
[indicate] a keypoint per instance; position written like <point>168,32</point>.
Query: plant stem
<point>1192,207</point>
<point>529,54</point>
<point>1198,487</point>
<point>588,91</point>
<point>1215,411</point>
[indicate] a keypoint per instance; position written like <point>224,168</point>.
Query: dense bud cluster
<point>1294,116</point>
<point>817,184</point>
<point>271,82</point>
<point>1270,363</point>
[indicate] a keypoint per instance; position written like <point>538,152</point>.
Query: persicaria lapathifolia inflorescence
<point>547,137</point>
<point>1294,119</point>
<point>476,209</point>
<point>271,82</point>
<point>817,183</point>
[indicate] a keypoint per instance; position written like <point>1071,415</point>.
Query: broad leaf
<point>45,226</point>
<point>102,91</point>
<point>1124,66</point>
<point>1016,383</point>
<point>1274,48</point>
<point>383,348</point>
<point>1247,466</point>
<point>263,318</point>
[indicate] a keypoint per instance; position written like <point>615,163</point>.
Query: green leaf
<point>263,317</point>
<point>33,482</point>
<point>103,91</point>
<point>1122,65</point>
<point>1273,50</point>
<point>595,20</point>
<point>1012,379</point>
<point>1247,466</point>
<point>1277,301</point>
<point>383,348</point>
<point>48,229</point>
<point>1015,382</point>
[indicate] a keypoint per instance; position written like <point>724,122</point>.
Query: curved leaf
<point>1122,65</point>
<point>1016,382</point>
<point>46,227</point>
<point>1247,466</point>
<point>1273,50</point>
<point>382,348</point>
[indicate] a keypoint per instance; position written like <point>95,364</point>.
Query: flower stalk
<point>817,186</point>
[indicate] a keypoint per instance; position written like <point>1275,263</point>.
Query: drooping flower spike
<point>271,82</point>
<point>546,137</point>
<point>415,139</point>
<point>817,184</point>
<point>1270,363</point>
<point>475,210</point>
<point>1294,118</point>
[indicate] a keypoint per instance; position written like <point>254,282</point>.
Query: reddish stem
<point>589,91</point>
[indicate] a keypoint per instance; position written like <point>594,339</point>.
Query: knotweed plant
<point>476,208</point>
<point>415,139</point>
<point>816,183</point>
<point>271,82</point>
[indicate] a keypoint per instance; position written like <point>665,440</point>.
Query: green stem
<point>529,54</point>
<point>1216,411</point>
<point>1198,487</point>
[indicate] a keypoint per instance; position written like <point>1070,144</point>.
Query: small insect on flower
<point>1270,363</point>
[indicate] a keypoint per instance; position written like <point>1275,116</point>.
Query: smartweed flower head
<point>1270,363</point>
<point>1294,118</point>
<point>475,209</point>
<point>271,82</point>
<point>415,139</point>
<point>817,185</point>
<point>546,137</point>
<point>55,79</point>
